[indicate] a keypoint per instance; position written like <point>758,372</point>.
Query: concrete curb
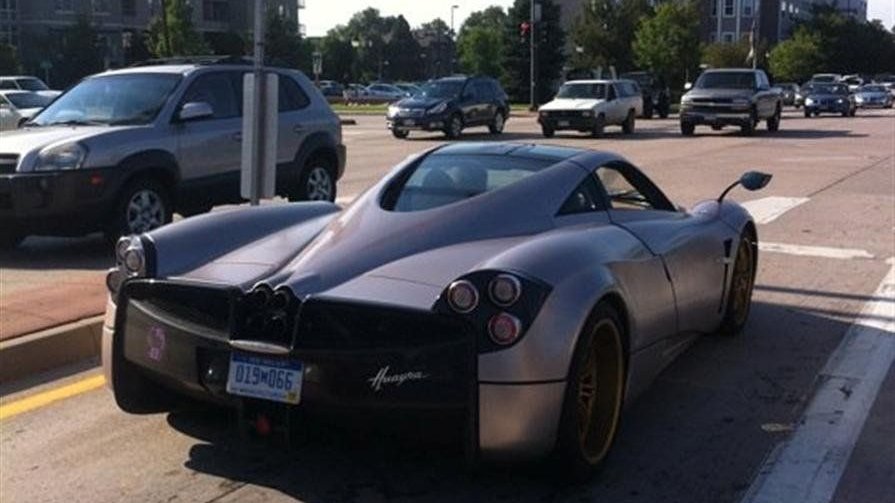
<point>48,349</point>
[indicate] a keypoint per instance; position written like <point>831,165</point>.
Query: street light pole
<point>533,70</point>
<point>453,8</point>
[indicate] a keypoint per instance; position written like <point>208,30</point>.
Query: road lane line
<point>814,251</point>
<point>47,397</point>
<point>768,209</point>
<point>807,467</point>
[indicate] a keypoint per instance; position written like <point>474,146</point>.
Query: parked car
<point>830,98</point>
<point>789,91</point>
<point>26,104</point>
<point>27,83</point>
<point>873,95</point>
<point>354,92</point>
<point>511,289</point>
<point>731,97</point>
<point>656,95</point>
<point>451,104</point>
<point>409,89</point>
<point>123,150</point>
<point>853,82</point>
<point>591,105</point>
<point>331,88</point>
<point>385,92</point>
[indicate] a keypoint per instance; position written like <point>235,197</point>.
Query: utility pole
<point>259,102</point>
<point>533,105</point>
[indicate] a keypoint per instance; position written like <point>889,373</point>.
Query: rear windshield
<point>28,100</point>
<point>582,91</point>
<point>31,85</point>
<point>726,80</point>
<point>444,179</point>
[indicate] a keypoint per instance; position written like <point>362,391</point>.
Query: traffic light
<point>524,29</point>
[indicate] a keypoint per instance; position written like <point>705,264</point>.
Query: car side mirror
<point>688,86</point>
<point>195,110</point>
<point>751,181</point>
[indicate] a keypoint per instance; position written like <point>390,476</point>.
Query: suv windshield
<point>31,85</point>
<point>111,99</point>
<point>829,89</point>
<point>28,100</point>
<point>582,91</point>
<point>439,180</point>
<point>442,89</point>
<point>726,80</point>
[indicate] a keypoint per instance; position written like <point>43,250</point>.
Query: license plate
<point>410,122</point>
<point>563,123</point>
<point>276,379</point>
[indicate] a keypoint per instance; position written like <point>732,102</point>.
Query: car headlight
<point>437,109</point>
<point>809,101</point>
<point>686,100</point>
<point>393,110</point>
<point>840,101</point>
<point>61,157</point>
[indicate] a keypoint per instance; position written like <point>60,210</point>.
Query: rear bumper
<point>64,202</point>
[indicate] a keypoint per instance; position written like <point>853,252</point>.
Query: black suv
<point>450,105</point>
<point>656,96</point>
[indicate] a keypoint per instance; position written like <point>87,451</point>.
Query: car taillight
<point>504,290</point>
<point>462,296</point>
<point>504,328</point>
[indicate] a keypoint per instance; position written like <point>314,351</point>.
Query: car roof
<point>524,150</point>
<point>593,81</point>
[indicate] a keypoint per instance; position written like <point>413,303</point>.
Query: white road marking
<point>807,467</point>
<point>768,209</point>
<point>814,251</point>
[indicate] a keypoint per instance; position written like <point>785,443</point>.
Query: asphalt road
<point>700,434</point>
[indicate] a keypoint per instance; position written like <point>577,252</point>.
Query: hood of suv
<point>570,104</point>
<point>718,94</point>
<point>28,142</point>
<point>417,102</point>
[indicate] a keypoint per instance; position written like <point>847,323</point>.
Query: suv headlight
<point>686,99</point>
<point>62,157</point>
<point>393,110</point>
<point>437,109</point>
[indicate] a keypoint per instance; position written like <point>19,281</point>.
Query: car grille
<point>8,163</point>
<point>411,112</point>
<point>564,114</point>
<point>712,101</point>
<point>336,325</point>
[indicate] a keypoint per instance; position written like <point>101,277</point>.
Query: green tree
<point>9,61</point>
<point>726,54</point>
<point>338,55</point>
<point>228,43</point>
<point>668,43</point>
<point>480,42</point>
<point>550,42</point>
<point>604,34</point>
<point>282,44</point>
<point>438,46</point>
<point>366,29</point>
<point>401,51</point>
<point>77,53</point>
<point>797,58</point>
<point>171,32</point>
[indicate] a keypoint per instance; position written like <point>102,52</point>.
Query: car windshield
<point>582,91</point>
<point>449,178</point>
<point>112,99</point>
<point>873,89</point>
<point>830,89</point>
<point>726,80</point>
<point>28,100</point>
<point>31,85</point>
<point>442,89</point>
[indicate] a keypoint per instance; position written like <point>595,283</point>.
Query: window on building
<point>64,5</point>
<point>727,37</point>
<point>129,8</point>
<point>216,10</point>
<point>728,8</point>
<point>747,7</point>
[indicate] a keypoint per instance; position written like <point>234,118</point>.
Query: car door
<point>616,104</point>
<point>209,149</point>
<point>694,255</point>
<point>765,98</point>
<point>487,106</point>
<point>469,104</point>
<point>295,120</point>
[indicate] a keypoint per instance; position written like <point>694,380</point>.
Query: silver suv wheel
<point>145,211</point>
<point>319,185</point>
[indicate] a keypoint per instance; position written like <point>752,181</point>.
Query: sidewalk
<point>38,308</point>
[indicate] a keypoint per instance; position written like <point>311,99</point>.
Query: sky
<point>321,15</point>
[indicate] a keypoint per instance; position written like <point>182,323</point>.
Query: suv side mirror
<point>195,110</point>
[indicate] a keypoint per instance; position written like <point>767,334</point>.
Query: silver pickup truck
<point>591,105</point>
<point>731,97</point>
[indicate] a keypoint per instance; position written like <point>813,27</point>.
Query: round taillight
<point>134,261</point>
<point>121,248</point>
<point>504,289</point>
<point>504,328</point>
<point>462,296</point>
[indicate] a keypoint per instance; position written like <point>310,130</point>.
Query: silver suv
<point>123,150</point>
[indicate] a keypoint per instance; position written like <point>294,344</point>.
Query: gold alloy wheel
<point>599,392</point>
<point>742,282</point>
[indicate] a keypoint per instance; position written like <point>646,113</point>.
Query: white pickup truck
<point>591,105</point>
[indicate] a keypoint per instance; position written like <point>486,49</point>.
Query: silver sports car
<point>531,289</point>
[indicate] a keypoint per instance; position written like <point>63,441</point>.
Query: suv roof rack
<point>196,60</point>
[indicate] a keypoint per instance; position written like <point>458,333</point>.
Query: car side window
<point>217,90</point>
<point>586,198</point>
<point>291,97</point>
<point>628,189</point>
<point>612,92</point>
<point>7,84</point>
<point>469,92</point>
<point>483,91</point>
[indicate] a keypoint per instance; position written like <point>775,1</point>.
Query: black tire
<point>774,121</point>
<point>590,418</point>
<point>628,125</point>
<point>400,134</point>
<point>547,131</point>
<point>748,129</point>
<point>648,110</point>
<point>742,281</point>
<point>688,128</point>
<point>143,204</point>
<point>664,111</point>
<point>599,125</point>
<point>317,181</point>
<point>807,113</point>
<point>497,123</point>
<point>454,127</point>
<point>10,238</point>
<point>854,111</point>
